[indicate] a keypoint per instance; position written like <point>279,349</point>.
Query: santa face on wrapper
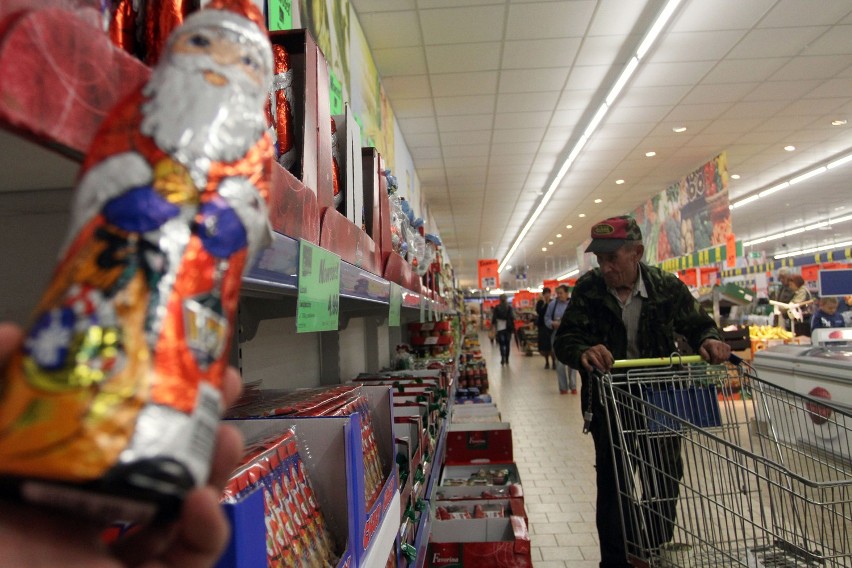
<point>117,385</point>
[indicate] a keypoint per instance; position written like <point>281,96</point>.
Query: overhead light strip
<point>813,250</point>
<point>790,232</point>
<point>792,181</point>
<point>647,43</point>
<point>574,272</point>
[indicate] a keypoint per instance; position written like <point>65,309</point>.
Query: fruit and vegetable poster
<point>689,215</point>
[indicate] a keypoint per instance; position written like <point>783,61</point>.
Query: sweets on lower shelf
<point>326,401</point>
<point>296,531</point>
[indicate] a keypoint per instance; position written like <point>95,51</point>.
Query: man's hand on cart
<point>597,357</point>
<point>714,351</point>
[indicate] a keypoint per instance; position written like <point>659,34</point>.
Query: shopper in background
<point>503,322</point>
<point>544,332</point>
<point>801,294</point>
<point>826,314</point>
<point>847,313</point>
<point>783,295</point>
<point>552,318</point>
<point>625,310</point>
<point>36,537</point>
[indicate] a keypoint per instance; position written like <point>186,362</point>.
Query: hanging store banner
<point>318,302</point>
<point>489,275</point>
<point>689,215</point>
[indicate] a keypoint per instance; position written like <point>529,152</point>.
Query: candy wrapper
<point>110,406</point>
<point>281,111</point>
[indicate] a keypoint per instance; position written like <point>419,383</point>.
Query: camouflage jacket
<point>594,316</point>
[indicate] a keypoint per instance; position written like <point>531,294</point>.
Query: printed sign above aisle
<point>488,272</point>
<point>690,215</point>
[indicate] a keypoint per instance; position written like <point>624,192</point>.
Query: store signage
<point>318,301</point>
<point>489,275</point>
<point>689,215</point>
<point>280,15</point>
<point>731,251</point>
<point>394,304</point>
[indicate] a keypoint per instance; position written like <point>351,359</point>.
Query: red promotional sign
<point>489,275</point>
<point>731,251</point>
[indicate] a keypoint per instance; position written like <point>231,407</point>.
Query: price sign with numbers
<point>395,304</point>
<point>318,302</point>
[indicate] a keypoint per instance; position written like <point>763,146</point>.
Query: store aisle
<point>554,458</point>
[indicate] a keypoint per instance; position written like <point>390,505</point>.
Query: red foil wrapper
<point>161,18</point>
<point>116,388</point>
<point>335,165</point>
<point>282,119</point>
<point>122,26</point>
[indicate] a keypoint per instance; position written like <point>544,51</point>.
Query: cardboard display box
<point>489,443</point>
<point>337,447</point>
<point>480,543</point>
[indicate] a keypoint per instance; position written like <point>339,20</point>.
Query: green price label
<point>318,301</point>
<point>335,94</point>
<point>280,15</point>
<point>395,305</point>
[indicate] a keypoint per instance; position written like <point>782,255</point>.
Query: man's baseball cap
<point>610,234</point>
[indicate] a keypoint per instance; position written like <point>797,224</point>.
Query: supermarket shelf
<point>275,273</point>
<point>385,538</point>
<point>421,540</point>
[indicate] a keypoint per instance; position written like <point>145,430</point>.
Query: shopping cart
<point>712,475</point>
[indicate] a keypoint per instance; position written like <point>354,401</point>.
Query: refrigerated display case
<point>822,369</point>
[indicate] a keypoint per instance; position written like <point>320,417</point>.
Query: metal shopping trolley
<point>718,468</point>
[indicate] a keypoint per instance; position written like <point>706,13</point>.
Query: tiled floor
<point>554,458</point>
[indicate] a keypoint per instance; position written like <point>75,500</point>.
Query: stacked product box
<point>477,509</point>
<point>348,432</point>
<point>420,408</point>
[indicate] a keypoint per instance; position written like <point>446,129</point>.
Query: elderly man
<point>624,310</point>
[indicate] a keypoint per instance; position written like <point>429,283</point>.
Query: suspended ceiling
<point>491,94</point>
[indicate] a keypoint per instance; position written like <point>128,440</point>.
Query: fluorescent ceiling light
<point>646,44</point>
<point>773,189</point>
<point>745,201</point>
<point>840,162</point>
<point>790,148</point>
<point>657,28</point>
<point>622,80</point>
<point>812,227</point>
<point>574,272</point>
<point>813,250</point>
<point>808,175</point>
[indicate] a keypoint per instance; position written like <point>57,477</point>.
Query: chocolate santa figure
<point>116,387</point>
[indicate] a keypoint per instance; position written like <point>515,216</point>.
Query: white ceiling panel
<point>463,57</point>
<point>488,94</point>
<point>549,19</point>
<point>463,24</point>
<point>457,84</point>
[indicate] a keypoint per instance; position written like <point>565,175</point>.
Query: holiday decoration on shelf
<point>115,389</point>
<point>281,111</point>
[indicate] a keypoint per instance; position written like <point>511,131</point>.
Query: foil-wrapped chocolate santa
<point>116,388</point>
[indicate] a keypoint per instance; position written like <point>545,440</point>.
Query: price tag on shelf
<point>431,310</point>
<point>318,302</point>
<point>395,304</point>
<point>422,309</point>
<point>432,340</point>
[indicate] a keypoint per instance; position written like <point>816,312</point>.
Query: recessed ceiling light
<point>679,129</point>
<point>598,200</point>
<point>582,214</point>
<point>558,235</point>
<point>550,243</point>
<point>650,154</point>
<point>735,176</point>
<point>619,181</point>
<point>840,122</point>
<point>840,208</point>
<point>569,226</point>
<point>789,148</point>
<point>543,249</point>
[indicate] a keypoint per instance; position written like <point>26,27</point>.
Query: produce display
<point>766,332</point>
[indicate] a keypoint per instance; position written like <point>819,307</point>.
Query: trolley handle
<point>673,359</point>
